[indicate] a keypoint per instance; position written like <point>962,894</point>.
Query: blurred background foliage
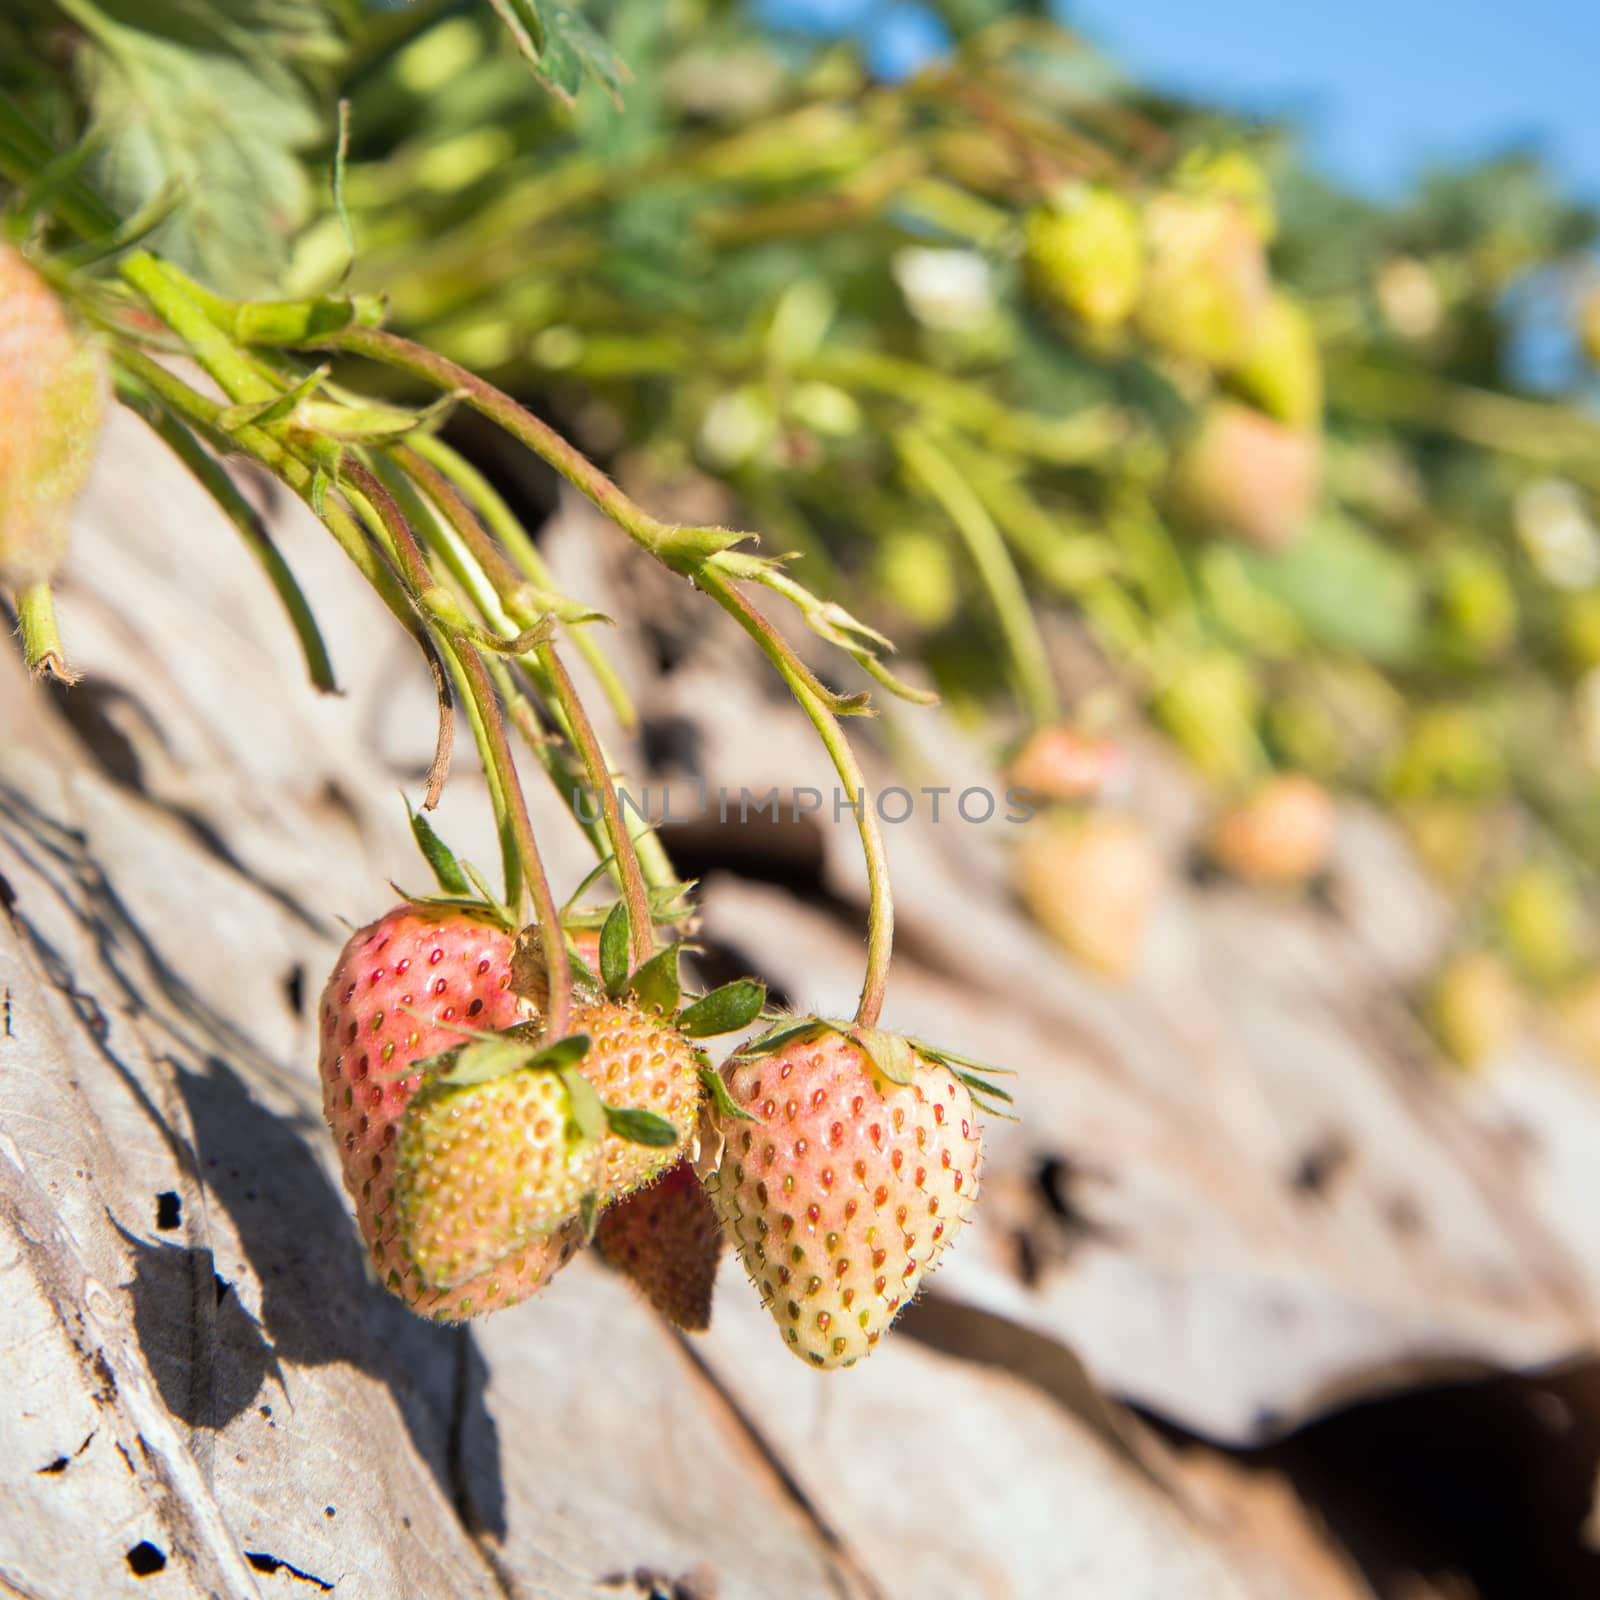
<point>1010,350</point>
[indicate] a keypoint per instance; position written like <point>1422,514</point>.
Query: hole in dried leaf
<point>144,1559</point>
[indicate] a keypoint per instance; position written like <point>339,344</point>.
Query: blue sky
<point>1382,87</point>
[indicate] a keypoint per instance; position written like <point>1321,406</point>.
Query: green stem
<point>880,914</point>
<point>507,583</point>
<point>496,751</point>
<point>508,529</point>
<point>1029,660</point>
<point>41,642</point>
<point>681,549</point>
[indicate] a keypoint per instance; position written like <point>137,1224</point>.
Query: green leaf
<point>1349,590</point>
<point>208,98</point>
<point>735,1005</point>
<point>891,1054</point>
<point>656,982</point>
<point>439,856</point>
<point>561,45</point>
<point>614,950</point>
<point>638,1126</point>
<point>723,1102</point>
<point>587,1111</point>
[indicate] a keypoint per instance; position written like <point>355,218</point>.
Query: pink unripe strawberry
<point>843,1192</point>
<point>1282,833</point>
<point>668,1240</point>
<point>401,991</point>
<point>1091,884</point>
<point>1065,763</point>
<point>1245,474</point>
<point>52,398</point>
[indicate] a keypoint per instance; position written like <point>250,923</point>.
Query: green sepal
<point>587,1111</point>
<point>656,983</point>
<point>481,1061</point>
<point>260,412</point>
<point>975,1076</point>
<point>735,1005</point>
<point>582,973</point>
<point>723,1102</point>
<point>639,1126</point>
<point>439,856</point>
<point>891,1054</point>
<point>589,1214</point>
<point>563,1055</point>
<point>489,900</point>
<point>670,902</point>
<point>571,916</point>
<point>783,1031</point>
<point>614,951</point>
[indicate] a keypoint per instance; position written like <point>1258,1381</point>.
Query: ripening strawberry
<point>52,398</point>
<point>1245,474</point>
<point>1282,833</point>
<point>1084,256</point>
<point>452,970</point>
<point>668,1240</point>
<point>848,1186</point>
<point>1205,283</point>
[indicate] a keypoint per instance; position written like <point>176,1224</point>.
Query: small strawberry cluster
<point>481,1152</point>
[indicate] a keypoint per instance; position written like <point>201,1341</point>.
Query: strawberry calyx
<point>890,1056</point>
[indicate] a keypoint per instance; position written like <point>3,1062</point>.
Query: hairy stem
<point>880,913</point>
<point>41,642</point>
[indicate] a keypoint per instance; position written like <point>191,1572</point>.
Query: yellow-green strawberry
<point>52,399</point>
<point>638,1059</point>
<point>1282,369</point>
<point>1083,256</point>
<point>1474,1007</point>
<point>401,991</point>
<point>856,1169</point>
<point>1589,325</point>
<point>488,1168</point>
<point>1236,175</point>
<point>668,1240</point>
<point>1205,283</point>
